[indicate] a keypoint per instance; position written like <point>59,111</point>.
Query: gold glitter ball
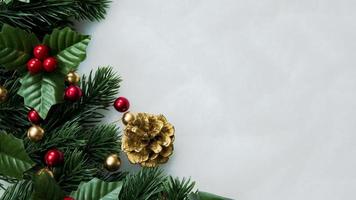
<point>73,77</point>
<point>148,139</point>
<point>3,94</point>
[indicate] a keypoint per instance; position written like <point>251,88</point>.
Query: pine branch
<point>44,15</point>
<point>21,190</point>
<point>99,92</point>
<point>175,189</point>
<point>145,185</point>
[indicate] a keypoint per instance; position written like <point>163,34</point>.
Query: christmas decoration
<point>112,162</point>
<point>3,94</point>
<point>54,157</point>
<point>73,93</point>
<point>34,117</point>
<point>68,198</point>
<point>73,78</point>
<point>45,170</point>
<point>148,139</point>
<point>35,133</point>
<point>41,51</point>
<point>122,104</point>
<point>34,66</point>
<point>50,64</point>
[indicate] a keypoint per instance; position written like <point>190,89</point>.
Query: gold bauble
<point>112,162</point>
<point>35,133</point>
<point>3,94</point>
<point>148,139</point>
<point>73,77</point>
<point>127,118</point>
<point>45,170</point>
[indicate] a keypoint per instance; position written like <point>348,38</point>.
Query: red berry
<point>73,93</point>
<point>50,64</point>
<point>34,117</point>
<point>68,198</point>
<point>54,157</point>
<point>121,104</point>
<point>34,66</point>
<point>41,51</point>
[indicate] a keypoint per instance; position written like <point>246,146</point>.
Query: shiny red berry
<point>122,104</point>
<point>34,66</point>
<point>41,51</point>
<point>50,64</point>
<point>54,157</point>
<point>73,93</point>
<point>68,198</point>
<point>34,117</point>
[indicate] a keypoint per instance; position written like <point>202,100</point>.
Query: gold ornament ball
<point>35,133</point>
<point>3,94</point>
<point>127,118</point>
<point>45,170</point>
<point>112,162</point>
<point>73,77</point>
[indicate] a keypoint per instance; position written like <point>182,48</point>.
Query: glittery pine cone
<point>148,139</point>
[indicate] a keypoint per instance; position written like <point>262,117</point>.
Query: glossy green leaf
<point>46,188</point>
<point>69,48</point>
<point>14,160</point>
<point>205,196</point>
<point>98,190</point>
<point>42,91</point>
<point>15,47</point>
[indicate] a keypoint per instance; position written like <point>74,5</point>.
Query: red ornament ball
<point>34,117</point>
<point>41,51</point>
<point>122,104</point>
<point>50,64</point>
<point>34,66</point>
<point>54,157</point>
<point>68,198</point>
<point>73,93</point>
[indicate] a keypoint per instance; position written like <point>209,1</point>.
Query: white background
<point>262,93</point>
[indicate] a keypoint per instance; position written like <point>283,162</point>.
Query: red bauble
<point>41,51</point>
<point>34,117</point>
<point>50,64</point>
<point>68,198</point>
<point>121,104</point>
<point>54,157</point>
<point>73,93</point>
<point>34,66</point>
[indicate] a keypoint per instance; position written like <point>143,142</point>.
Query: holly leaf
<point>42,91</point>
<point>97,190</point>
<point>205,196</point>
<point>14,160</point>
<point>15,47</point>
<point>69,48</point>
<point>45,187</point>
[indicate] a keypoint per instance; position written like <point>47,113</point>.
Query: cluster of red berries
<point>41,60</point>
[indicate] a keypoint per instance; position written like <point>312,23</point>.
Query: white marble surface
<point>262,93</point>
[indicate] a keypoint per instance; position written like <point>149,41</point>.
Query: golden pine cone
<point>148,139</point>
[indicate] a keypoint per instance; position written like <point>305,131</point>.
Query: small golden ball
<point>45,170</point>
<point>127,118</point>
<point>35,133</point>
<point>73,77</point>
<point>3,94</point>
<point>112,162</point>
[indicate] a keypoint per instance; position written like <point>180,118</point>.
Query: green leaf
<point>45,188</point>
<point>69,48</point>
<point>15,47</point>
<point>205,196</point>
<point>14,160</point>
<point>98,190</point>
<point>42,91</point>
